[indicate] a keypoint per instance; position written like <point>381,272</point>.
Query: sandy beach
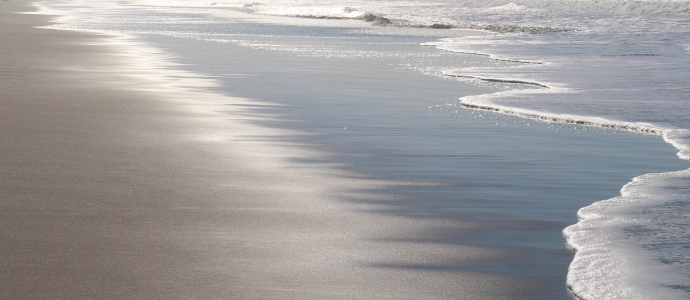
<point>192,150</point>
<point>114,184</point>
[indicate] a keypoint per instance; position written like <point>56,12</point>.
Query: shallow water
<point>520,181</point>
<point>367,100</point>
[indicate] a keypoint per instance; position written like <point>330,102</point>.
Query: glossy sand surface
<point>116,186</point>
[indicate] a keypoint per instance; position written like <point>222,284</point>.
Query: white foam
<point>611,261</point>
<point>484,102</point>
<point>679,138</point>
<point>335,12</point>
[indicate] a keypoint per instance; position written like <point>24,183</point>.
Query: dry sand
<point>114,183</point>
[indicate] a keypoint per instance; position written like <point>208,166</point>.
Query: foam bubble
<point>612,241</point>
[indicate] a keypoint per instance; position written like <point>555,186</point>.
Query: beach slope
<point>115,183</point>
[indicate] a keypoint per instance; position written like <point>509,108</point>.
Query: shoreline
<point>116,186</point>
<point>618,186</point>
<point>149,162</point>
<point>272,59</point>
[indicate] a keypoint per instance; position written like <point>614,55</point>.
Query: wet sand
<point>115,184</point>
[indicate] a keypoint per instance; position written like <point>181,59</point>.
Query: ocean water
<point>514,114</point>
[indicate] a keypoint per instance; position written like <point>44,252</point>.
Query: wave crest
<point>610,6</point>
<point>481,102</point>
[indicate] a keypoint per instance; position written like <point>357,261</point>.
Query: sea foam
<point>613,239</point>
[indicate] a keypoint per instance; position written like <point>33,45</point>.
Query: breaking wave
<point>386,20</point>
<point>481,102</point>
<point>598,6</point>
